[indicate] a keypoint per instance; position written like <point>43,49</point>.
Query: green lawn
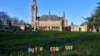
<point>16,43</point>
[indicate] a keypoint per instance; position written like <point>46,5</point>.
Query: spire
<point>49,12</point>
<point>63,14</point>
<point>49,15</point>
<point>34,2</point>
<point>34,5</point>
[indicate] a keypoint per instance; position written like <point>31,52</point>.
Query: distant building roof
<point>50,17</point>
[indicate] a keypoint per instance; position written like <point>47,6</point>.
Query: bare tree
<point>22,22</point>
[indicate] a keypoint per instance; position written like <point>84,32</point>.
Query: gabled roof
<point>49,17</point>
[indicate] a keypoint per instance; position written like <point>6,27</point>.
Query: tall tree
<point>15,21</point>
<point>94,20</point>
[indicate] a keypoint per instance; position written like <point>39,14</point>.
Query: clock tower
<point>34,15</point>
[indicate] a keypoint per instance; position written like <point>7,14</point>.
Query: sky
<point>75,9</point>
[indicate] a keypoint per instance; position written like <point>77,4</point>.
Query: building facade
<point>82,28</point>
<point>47,22</point>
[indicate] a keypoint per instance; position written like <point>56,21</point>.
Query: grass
<point>16,43</point>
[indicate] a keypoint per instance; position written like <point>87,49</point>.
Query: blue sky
<point>74,9</point>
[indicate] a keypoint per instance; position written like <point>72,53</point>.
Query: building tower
<point>64,20</point>
<point>34,15</point>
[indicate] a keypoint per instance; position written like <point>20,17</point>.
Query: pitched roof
<point>50,17</point>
